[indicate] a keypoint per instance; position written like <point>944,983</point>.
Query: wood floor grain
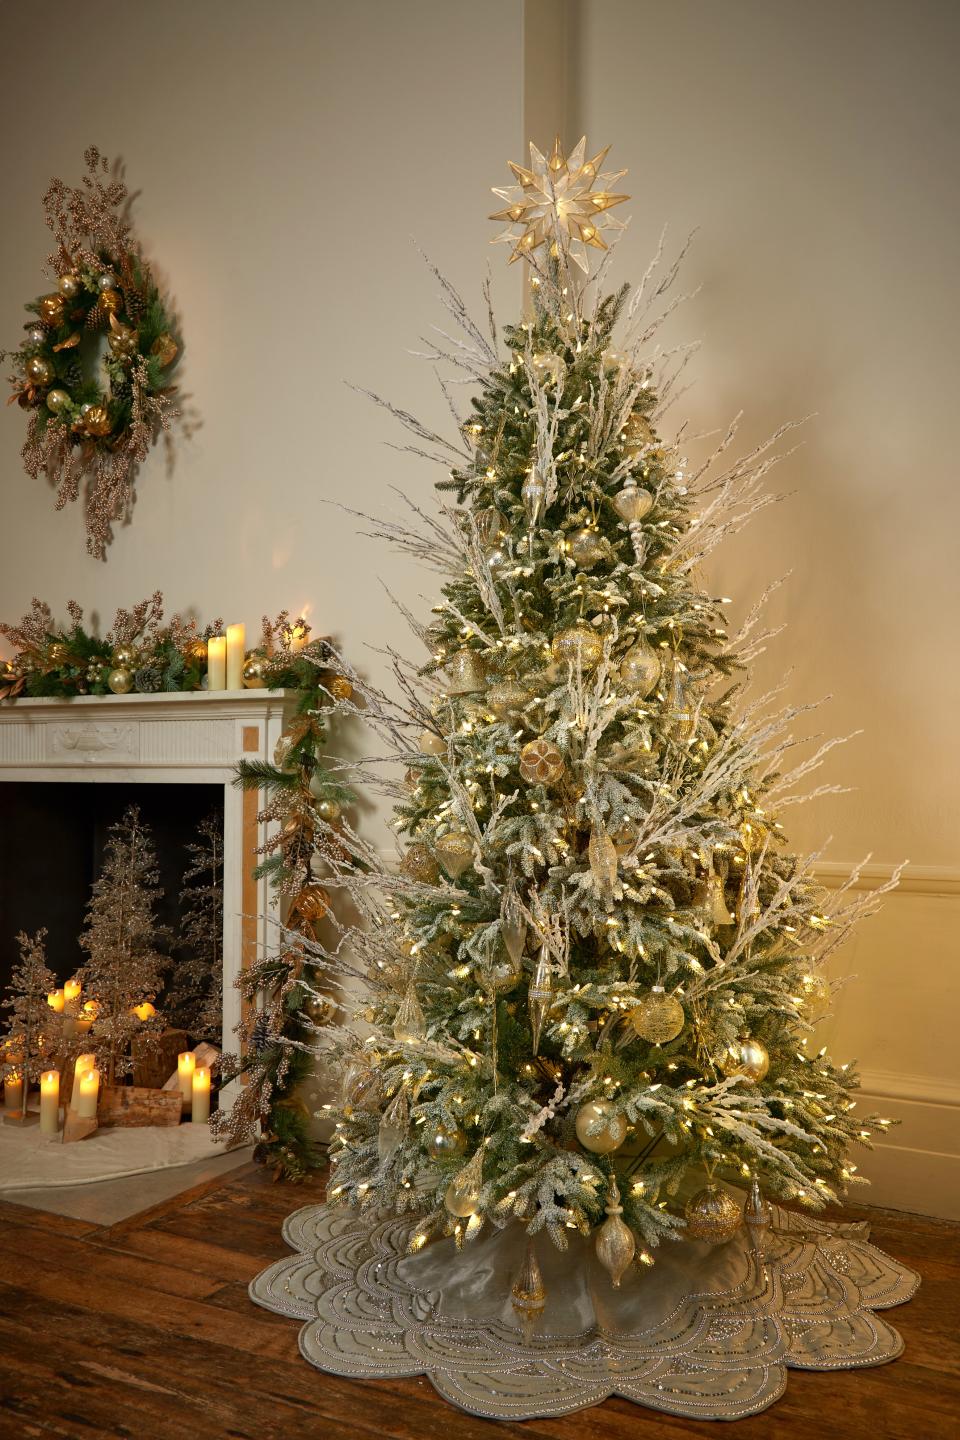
<point>143,1331</point>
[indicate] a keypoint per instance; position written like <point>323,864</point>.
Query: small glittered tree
<point>33,1029</point>
<point>194,995</point>
<point>120,937</point>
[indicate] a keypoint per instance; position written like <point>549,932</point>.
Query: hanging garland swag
<point>94,414</point>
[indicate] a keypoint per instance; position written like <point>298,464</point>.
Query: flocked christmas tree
<point>193,998</point>
<point>124,966</point>
<point>594,978</point>
<point>33,1031</point>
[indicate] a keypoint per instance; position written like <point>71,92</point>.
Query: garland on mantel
<point>281,1009</point>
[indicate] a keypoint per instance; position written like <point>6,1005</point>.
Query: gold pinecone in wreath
<point>95,409</point>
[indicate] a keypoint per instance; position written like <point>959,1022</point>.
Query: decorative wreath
<point>95,410</point>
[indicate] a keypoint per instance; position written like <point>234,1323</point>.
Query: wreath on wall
<point>93,367</point>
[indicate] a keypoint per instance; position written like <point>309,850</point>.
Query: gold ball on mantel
<point>254,673</point>
<point>120,680</point>
<point>58,653</point>
<point>125,657</point>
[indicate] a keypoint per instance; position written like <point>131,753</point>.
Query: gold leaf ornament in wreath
<point>93,368</point>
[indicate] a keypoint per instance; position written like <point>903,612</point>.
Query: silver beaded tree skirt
<point>707,1333</point>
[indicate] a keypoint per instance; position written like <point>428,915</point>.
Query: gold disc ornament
<point>746,1057</point>
<point>659,1017</point>
<point>600,1127</point>
<point>541,763</point>
<point>94,419</point>
<point>712,1215</point>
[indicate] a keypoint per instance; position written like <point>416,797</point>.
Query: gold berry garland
<point>95,408</point>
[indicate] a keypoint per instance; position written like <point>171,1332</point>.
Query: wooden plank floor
<point>144,1330</point>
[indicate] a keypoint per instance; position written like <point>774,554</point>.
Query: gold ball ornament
<point>39,370</point>
<point>254,672</point>
<point>106,280</point>
<point>111,301</point>
<point>637,434</point>
<point>432,744</point>
<point>600,1127</point>
<point>640,668</point>
<point>312,904</point>
<point>58,653</point>
<point>586,548</point>
<point>541,763</point>
<point>659,1017</point>
<point>445,1144</point>
<point>329,810</point>
<point>125,656</point>
<point>57,400</point>
<point>746,1057</point>
<point>36,336</point>
<point>97,421</point>
<point>578,642</point>
<point>419,864</point>
<point>69,286</point>
<point>455,852</point>
<point>120,680</point>
<point>52,309</point>
<point>712,1215</point>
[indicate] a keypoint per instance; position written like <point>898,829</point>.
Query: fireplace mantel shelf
<point>205,701</point>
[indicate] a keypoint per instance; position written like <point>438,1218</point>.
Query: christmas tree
<point>593,980</point>
<point>34,1031</point>
<point>124,967</point>
<point>194,995</point>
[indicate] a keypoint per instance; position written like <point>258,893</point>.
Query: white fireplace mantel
<point>189,738</point>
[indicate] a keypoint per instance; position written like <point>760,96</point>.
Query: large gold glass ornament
<point>445,1144</point>
<point>57,400</point>
<point>632,504</point>
<point>254,672</point>
<point>125,655</point>
<point>586,548</point>
<point>328,810</point>
<point>455,852</point>
<point>659,1017</point>
<point>432,744</point>
<point>409,1025</point>
<point>616,1246</point>
<point>466,673</point>
<point>747,1057</point>
<point>419,864</point>
<point>120,680</point>
<point>39,370</point>
<point>712,1215</point>
<point>97,421</point>
<point>541,763</point>
<point>578,642</point>
<point>110,301</point>
<point>555,204</point>
<point>361,1085</point>
<point>600,1127</point>
<point>640,668</point>
<point>463,1192</point>
<point>528,1294</point>
<point>165,348</point>
<point>52,309</point>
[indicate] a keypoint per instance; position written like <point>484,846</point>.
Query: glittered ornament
<point>120,680</point>
<point>632,504</point>
<point>712,1215</point>
<point>640,668</point>
<point>577,643</point>
<point>455,852</point>
<point>466,673</point>
<point>97,421</point>
<point>110,301</point>
<point>409,1025</point>
<point>586,548</point>
<point>444,1143</point>
<point>254,672</point>
<point>419,864</point>
<point>431,743</point>
<point>637,434</point>
<point>533,493</point>
<point>659,1017</point>
<point>746,1057</point>
<point>57,400</point>
<point>616,1246</point>
<point>602,855</point>
<point>340,688</point>
<point>540,998</point>
<point>600,1127</point>
<point>39,370</point>
<point>394,1126</point>
<point>541,763</point>
<point>463,1192</point>
<point>507,698</point>
<point>815,995</point>
<point>528,1294</point>
<point>52,309</point>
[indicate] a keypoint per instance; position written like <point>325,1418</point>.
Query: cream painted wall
<point>815,146</point>
<point>285,152</point>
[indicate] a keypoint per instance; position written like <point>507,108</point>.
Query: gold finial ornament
<point>616,1246</point>
<point>528,1295</point>
<point>554,203</point>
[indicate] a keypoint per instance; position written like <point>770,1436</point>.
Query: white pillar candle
<point>186,1064</point>
<point>200,1098</point>
<point>84,1062</point>
<point>50,1102</point>
<point>13,1092</point>
<point>89,1091</point>
<point>217,662</point>
<point>236,654</point>
<point>299,635</point>
<point>71,991</point>
<point>56,1001</point>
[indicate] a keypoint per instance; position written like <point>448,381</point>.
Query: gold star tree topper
<point>555,204</point>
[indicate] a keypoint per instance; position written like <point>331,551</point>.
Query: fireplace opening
<point>52,844</point>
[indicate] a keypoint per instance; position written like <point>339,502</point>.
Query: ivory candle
<point>236,653</point>
<point>186,1064</point>
<point>56,1001</point>
<point>89,1091</point>
<point>298,636</point>
<point>217,662</point>
<point>83,1063</point>
<point>50,1102</point>
<point>200,1098</point>
<point>87,1016</point>
<point>71,991</point>
<point>13,1092</point>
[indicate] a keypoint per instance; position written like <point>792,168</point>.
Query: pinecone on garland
<point>148,679</point>
<point>260,1035</point>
